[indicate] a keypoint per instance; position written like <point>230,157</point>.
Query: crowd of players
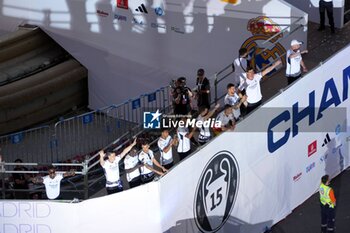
<point>243,96</point>
<point>140,165</point>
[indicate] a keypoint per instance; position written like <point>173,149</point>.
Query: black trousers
<point>326,6</point>
<point>147,178</point>
<point>184,154</point>
<point>251,107</point>
<point>135,182</point>
<point>327,219</point>
<point>292,79</point>
<point>111,190</point>
<point>168,166</point>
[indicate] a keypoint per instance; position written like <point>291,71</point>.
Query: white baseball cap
<point>296,42</point>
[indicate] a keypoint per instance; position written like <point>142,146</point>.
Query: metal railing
<point>88,172</point>
<point>29,145</point>
<point>80,135</point>
<point>7,186</point>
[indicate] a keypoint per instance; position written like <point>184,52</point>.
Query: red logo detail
<point>312,148</point>
<point>102,13</point>
<point>122,4</point>
<point>297,176</point>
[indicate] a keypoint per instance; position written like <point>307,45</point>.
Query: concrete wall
<point>129,52</point>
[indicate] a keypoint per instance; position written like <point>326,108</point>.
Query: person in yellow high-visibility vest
<point>328,202</point>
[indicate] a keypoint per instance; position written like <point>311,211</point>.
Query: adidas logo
<point>326,140</point>
<point>142,9</point>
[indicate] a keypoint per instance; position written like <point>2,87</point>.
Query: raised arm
<point>127,149</point>
<point>70,173</point>
<point>102,155</point>
<point>293,55</point>
<point>270,68</point>
<point>37,180</point>
<point>190,135</point>
<point>211,113</point>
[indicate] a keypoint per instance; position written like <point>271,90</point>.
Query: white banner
<point>37,217</point>
<point>136,47</point>
<point>125,212</point>
<point>277,165</point>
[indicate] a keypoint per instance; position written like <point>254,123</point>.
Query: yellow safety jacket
<point>324,195</point>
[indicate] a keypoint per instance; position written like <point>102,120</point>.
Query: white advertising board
<point>278,166</point>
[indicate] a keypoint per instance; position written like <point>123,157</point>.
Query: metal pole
<point>2,170</point>
<point>86,179</point>
<point>216,88</point>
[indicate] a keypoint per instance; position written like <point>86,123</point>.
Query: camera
<point>179,86</point>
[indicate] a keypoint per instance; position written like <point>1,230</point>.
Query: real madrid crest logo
<point>263,47</point>
<point>216,192</point>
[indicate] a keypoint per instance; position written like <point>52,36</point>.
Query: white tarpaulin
<point>133,51</point>
<point>241,182</point>
<point>278,166</point>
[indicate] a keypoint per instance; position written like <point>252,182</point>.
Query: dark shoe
<point>320,29</point>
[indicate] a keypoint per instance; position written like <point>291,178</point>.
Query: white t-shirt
<point>146,158</point>
<point>204,132</point>
<point>224,119</point>
<point>253,89</point>
<point>184,142</point>
<point>112,172</point>
<point>165,158</point>
<point>239,80</point>
<point>52,186</point>
<point>240,64</point>
<point>293,64</point>
<point>131,162</point>
<point>233,100</point>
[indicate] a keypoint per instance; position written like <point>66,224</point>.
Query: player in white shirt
<point>146,157</point>
<point>253,90</point>
<point>111,168</point>
<point>227,119</point>
<point>165,144</point>
<point>294,62</point>
<point>184,140</point>
<point>52,182</point>
<point>204,132</point>
<point>234,99</point>
<point>132,168</point>
<point>240,66</point>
